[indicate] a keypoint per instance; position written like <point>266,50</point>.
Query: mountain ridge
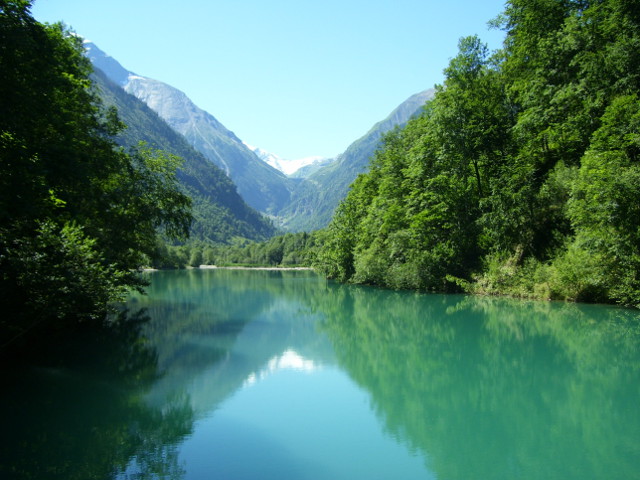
<point>316,197</point>
<point>220,214</point>
<point>305,199</point>
<point>263,187</point>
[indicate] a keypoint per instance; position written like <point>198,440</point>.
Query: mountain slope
<point>262,186</point>
<point>220,214</point>
<point>317,196</point>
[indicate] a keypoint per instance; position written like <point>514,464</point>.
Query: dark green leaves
<point>78,214</point>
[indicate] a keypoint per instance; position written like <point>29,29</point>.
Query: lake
<point>235,374</point>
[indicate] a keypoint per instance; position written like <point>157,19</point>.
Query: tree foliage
<point>288,250</point>
<point>521,176</point>
<point>78,215</point>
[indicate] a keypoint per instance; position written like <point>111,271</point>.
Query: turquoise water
<point>257,375</point>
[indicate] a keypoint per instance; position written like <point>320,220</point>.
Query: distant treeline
<point>522,176</point>
<point>288,250</point>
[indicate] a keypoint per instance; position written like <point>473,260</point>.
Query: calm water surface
<point>263,375</point>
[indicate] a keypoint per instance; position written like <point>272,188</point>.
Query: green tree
<point>521,177</point>
<point>76,212</point>
<point>565,61</point>
<point>605,205</point>
<point>412,221</point>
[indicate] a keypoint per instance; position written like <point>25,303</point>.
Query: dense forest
<point>78,214</point>
<point>287,250</point>
<point>521,177</point>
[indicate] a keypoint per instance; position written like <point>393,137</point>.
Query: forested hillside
<point>220,215</point>
<point>522,177</point>
<point>315,198</point>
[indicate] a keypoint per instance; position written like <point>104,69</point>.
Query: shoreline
<point>214,267</point>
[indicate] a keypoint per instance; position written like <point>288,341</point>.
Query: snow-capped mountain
<point>286,166</point>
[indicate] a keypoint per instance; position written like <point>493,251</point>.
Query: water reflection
<point>489,388</point>
<point>479,387</point>
<point>217,330</point>
<point>78,412</point>
<point>289,360</point>
<point>468,387</point>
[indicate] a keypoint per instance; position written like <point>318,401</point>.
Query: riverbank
<point>210,267</point>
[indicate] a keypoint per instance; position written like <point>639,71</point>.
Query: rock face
<point>260,185</point>
<point>317,196</point>
<point>220,214</point>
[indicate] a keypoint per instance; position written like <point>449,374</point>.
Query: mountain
<point>316,197</point>
<point>303,201</point>
<point>260,185</point>
<point>220,214</point>
<point>309,169</point>
<point>298,168</point>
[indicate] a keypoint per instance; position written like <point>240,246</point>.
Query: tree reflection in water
<point>495,388</point>
<point>478,387</point>
<point>75,410</point>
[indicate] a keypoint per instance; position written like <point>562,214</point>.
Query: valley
<point>297,195</point>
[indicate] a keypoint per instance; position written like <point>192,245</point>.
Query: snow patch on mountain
<point>286,166</point>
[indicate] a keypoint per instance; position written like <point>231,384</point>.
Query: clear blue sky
<point>294,77</point>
